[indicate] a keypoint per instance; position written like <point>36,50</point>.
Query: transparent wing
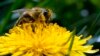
<point>20,10</point>
<point>21,13</point>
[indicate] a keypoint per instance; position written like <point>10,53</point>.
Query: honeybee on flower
<point>47,39</point>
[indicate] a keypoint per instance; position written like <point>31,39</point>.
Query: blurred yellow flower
<point>42,40</point>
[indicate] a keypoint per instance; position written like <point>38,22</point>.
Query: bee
<point>35,14</point>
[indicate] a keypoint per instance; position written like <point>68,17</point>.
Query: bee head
<point>37,11</point>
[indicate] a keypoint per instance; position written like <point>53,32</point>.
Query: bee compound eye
<point>45,13</point>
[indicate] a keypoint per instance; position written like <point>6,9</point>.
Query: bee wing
<point>20,11</point>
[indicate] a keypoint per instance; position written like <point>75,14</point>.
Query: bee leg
<point>33,27</point>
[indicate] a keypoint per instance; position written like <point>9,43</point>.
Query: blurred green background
<point>84,15</point>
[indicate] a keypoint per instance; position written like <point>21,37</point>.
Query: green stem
<point>71,43</point>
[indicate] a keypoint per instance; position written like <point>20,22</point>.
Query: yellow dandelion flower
<point>48,40</point>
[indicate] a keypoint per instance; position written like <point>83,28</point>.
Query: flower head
<point>42,40</point>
